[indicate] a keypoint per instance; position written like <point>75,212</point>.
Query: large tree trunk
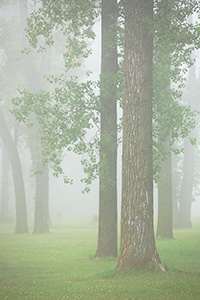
<point>4,212</point>
<point>41,218</point>
<point>21,213</point>
<point>164,225</point>
<point>137,248</point>
<point>187,186</point>
<point>107,233</point>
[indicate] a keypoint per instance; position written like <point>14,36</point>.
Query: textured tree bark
<point>4,211</point>
<point>165,220</point>
<point>137,248</point>
<point>21,213</point>
<point>187,186</point>
<point>107,231</point>
<point>41,217</point>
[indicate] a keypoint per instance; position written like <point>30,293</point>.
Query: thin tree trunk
<point>42,214</point>
<point>175,187</point>
<point>41,218</point>
<point>164,225</point>
<point>21,213</point>
<point>107,232</point>
<point>4,213</point>
<point>36,81</point>
<point>188,160</point>
<point>175,212</point>
<point>137,247</point>
<point>187,186</point>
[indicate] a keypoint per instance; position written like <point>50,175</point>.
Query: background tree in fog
<point>25,75</point>
<point>107,240</point>
<point>190,170</point>
<point>4,204</point>
<point>20,198</point>
<point>33,76</point>
<point>8,63</point>
<point>186,174</point>
<point>174,41</point>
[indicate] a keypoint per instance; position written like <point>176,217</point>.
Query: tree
<point>20,198</point>
<point>176,175</point>
<point>41,216</point>
<point>4,210</point>
<point>70,108</point>
<point>165,222</point>
<point>107,234</point>
<point>81,112</point>
<point>137,247</point>
<point>33,79</point>
<point>187,185</point>
<point>25,75</point>
<point>173,120</point>
<point>9,80</point>
<point>186,171</point>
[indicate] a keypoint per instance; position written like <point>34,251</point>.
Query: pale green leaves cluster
<point>174,40</point>
<point>68,112</point>
<point>64,115</point>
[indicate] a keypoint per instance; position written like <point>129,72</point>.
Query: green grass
<point>58,266</point>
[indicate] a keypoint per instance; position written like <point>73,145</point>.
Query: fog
<point>99,149</point>
<point>66,202</point>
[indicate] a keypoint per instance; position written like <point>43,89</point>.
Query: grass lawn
<point>58,266</point>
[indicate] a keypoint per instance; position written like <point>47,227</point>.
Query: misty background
<point>66,202</point>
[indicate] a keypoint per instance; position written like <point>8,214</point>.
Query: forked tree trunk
<point>107,232</point>
<point>4,210</point>
<point>21,213</point>
<point>41,217</point>
<point>137,248</point>
<point>165,225</point>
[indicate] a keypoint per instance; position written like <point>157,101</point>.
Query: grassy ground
<point>57,266</point>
